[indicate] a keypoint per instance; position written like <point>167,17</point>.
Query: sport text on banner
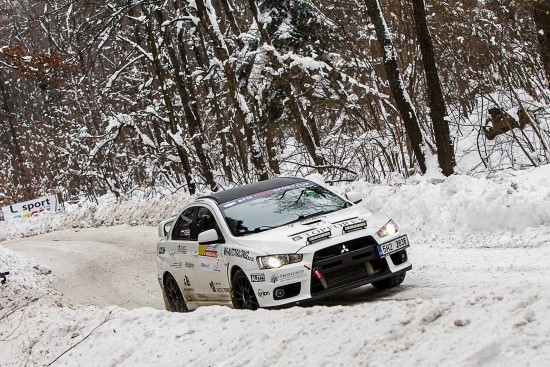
<point>31,207</point>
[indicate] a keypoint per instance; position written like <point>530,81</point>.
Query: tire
<point>390,282</point>
<point>242,293</point>
<point>173,299</point>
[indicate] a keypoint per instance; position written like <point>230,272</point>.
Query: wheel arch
<point>164,275</point>
<point>234,270</point>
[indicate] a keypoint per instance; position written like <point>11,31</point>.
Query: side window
<point>206,220</point>
<point>183,229</point>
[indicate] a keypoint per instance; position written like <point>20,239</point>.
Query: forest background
<point>150,96</point>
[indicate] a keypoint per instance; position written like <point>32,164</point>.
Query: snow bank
<point>107,212</point>
<point>510,201</point>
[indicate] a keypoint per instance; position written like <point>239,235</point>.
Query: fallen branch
<point>81,340</point>
<point>18,308</point>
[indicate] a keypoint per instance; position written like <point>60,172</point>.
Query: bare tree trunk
<point>159,71</point>
<point>10,137</point>
<point>541,15</point>
<point>187,94</point>
<point>404,105</point>
<point>238,153</point>
<point>242,111</point>
<point>445,150</point>
<point>307,129</point>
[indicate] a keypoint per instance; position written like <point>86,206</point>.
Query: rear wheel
<point>242,294</point>
<point>172,294</point>
<point>390,282</point>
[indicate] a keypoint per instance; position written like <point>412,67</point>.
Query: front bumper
<point>359,264</point>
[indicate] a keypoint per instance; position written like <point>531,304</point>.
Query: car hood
<point>293,237</point>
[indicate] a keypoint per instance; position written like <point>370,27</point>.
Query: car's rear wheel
<point>242,293</point>
<point>390,282</point>
<point>172,294</point>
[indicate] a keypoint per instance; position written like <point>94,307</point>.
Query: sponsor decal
<point>189,265</point>
<point>263,294</point>
<point>186,281</point>
<point>188,289</point>
<point>216,287</point>
<point>177,265</point>
<point>256,278</point>
<point>210,265</point>
<point>202,295</point>
<point>343,249</point>
<point>297,238</point>
<point>285,277</point>
<point>258,195</point>
<point>182,249</point>
<point>235,252</point>
<point>162,250</point>
<point>208,251</point>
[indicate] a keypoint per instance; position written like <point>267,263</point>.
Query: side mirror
<point>164,226</point>
<point>209,237</point>
<point>354,196</point>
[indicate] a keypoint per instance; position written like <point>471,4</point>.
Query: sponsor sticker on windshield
<point>258,195</point>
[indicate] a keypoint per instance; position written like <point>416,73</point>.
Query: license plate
<point>391,247</point>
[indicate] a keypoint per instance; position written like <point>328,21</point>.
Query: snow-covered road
<point>478,294</point>
<point>116,266</point>
<point>99,266</point>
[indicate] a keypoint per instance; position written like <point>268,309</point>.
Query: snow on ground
<point>477,295</point>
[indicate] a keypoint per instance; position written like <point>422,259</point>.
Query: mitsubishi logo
<point>344,249</point>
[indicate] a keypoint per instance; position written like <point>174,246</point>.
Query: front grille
<point>343,268</point>
<point>351,246</point>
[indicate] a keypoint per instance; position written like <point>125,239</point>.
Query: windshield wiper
<point>307,216</point>
<point>262,228</point>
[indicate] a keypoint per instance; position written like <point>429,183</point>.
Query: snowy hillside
<point>477,295</point>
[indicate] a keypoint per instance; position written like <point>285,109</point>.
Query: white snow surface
<point>478,293</point>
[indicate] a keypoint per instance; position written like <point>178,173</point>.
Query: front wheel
<point>242,293</point>
<point>390,282</point>
<point>174,300</point>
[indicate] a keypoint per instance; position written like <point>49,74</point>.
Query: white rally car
<point>275,242</point>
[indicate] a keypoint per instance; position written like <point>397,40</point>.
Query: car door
<point>180,252</point>
<point>210,266</point>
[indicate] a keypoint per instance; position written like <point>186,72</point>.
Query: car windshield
<point>278,207</point>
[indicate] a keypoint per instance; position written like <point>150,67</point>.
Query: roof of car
<point>249,189</point>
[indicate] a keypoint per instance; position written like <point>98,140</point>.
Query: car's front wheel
<point>242,293</point>
<point>174,300</point>
<point>390,282</point>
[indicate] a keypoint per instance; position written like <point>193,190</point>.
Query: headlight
<point>276,261</point>
<point>388,229</point>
